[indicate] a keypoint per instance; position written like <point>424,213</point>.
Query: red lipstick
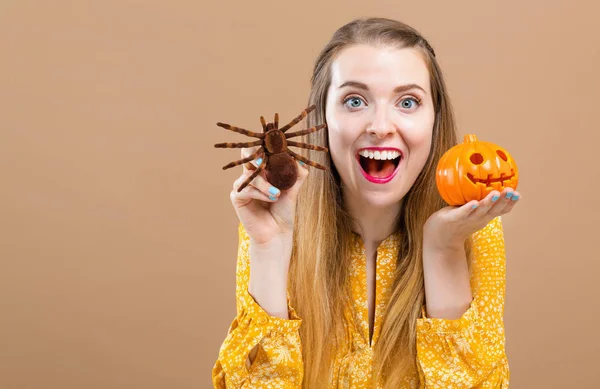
<point>379,180</point>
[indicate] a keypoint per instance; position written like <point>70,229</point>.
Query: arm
<point>447,286</point>
<point>268,275</point>
<point>469,350</point>
<point>261,349</point>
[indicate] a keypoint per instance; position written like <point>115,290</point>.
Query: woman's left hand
<point>449,227</point>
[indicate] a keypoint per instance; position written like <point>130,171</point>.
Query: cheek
<point>342,133</point>
<point>419,129</point>
<point>418,137</point>
<point>338,145</point>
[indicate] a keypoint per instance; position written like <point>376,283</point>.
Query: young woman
<point>360,276</point>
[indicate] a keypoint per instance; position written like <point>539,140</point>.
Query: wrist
<point>446,252</point>
<point>281,241</point>
<point>442,244</point>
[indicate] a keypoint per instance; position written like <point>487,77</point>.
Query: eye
<point>477,158</point>
<point>502,155</point>
<point>354,101</point>
<point>410,103</point>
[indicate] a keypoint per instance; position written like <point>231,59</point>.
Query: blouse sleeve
<point>278,362</point>
<point>470,351</point>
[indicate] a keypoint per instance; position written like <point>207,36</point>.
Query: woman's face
<point>380,119</point>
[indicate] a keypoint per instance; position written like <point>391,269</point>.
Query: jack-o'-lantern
<point>471,170</point>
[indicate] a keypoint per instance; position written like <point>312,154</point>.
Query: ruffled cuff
<point>466,322</point>
<point>461,352</point>
<point>255,326</point>
<point>263,319</point>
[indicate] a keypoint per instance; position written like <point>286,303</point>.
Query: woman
<point>360,276</point>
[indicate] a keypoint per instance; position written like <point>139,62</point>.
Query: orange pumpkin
<point>471,170</point>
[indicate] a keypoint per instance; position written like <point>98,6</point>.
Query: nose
<point>381,126</point>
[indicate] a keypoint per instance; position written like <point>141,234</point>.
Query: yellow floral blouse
<point>464,353</point>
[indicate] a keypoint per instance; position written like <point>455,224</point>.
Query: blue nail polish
<point>272,198</point>
<point>259,161</point>
<point>509,194</point>
<point>301,163</point>
<point>496,197</point>
<point>515,198</point>
<point>273,190</point>
<point>474,206</point>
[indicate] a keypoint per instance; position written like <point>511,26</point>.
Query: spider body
<point>275,140</point>
<point>278,160</point>
<point>281,168</point>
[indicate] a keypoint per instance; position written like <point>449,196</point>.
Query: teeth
<point>388,154</point>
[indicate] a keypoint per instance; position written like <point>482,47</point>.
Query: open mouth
<point>379,166</point>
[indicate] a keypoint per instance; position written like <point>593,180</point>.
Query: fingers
<point>247,152</point>
<point>251,191</point>
<point>252,165</point>
<point>265,186</point>
<point>465,210</point>
<point>259,187</point>
<point>247,194</point>
<point>302,171</point>
<point>496,203</point>
<point>259,183</point>
<point>511,200</point>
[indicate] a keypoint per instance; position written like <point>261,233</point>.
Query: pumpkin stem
<point>470,138</point>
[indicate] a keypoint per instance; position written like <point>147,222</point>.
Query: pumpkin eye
<point>477,158</point>
<point>501,155</point>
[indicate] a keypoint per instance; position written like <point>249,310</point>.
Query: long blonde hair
<point>318,278</point>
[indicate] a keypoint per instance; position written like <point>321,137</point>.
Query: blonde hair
<point>318,278</point>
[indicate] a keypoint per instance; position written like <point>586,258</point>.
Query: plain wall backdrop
<point>117,236</point>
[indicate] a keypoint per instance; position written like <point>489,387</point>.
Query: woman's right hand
<point>265,219</point>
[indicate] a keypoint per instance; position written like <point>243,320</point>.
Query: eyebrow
<point>398,89</point>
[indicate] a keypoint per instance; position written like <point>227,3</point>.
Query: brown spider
<point>278,160</point>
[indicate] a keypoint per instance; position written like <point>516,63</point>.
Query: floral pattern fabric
<point>468,352</point>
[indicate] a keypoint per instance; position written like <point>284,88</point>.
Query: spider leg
<point>264,124</point>
<point>298,118</point>
<point>306,161</point>
<point>253,175</point>
<point>306,146</point>
<point>240,130</point>
<point>276,121</point>
<point>242,161</point>
<point>304,132</point>
<point>233,145</point>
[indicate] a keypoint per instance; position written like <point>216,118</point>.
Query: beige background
<point>117,237</point>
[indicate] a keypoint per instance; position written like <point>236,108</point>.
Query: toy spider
<point>278,160</point>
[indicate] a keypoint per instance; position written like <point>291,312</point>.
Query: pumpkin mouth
<point>489,180</point>
<point>379,168</point>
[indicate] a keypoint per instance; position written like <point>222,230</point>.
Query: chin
<point>381,199</point>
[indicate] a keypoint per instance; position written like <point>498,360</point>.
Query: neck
<point>373,223</point>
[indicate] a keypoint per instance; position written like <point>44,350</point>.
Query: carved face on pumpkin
<point>471,170</point>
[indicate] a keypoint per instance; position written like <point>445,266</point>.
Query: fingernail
<point>474,206</point>
<point>509,194</point>
<point>515,198</point>
<point>273,190</point>
<point>301,163</point>
<point>259,161</point>
<point>496,197</point>
<point>272,198</point>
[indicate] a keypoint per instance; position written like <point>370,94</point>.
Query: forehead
<point>380,66</point>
